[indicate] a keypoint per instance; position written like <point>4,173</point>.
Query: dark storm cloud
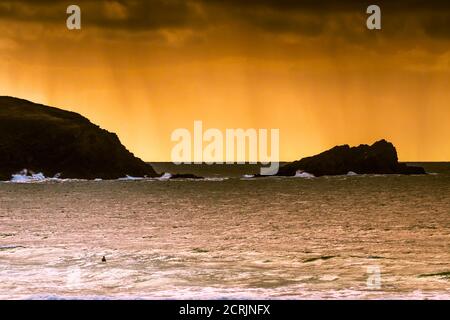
<point>343,5</point>
<point>305,17</point>
<point>125,15</point>
<point>432,16</point>
<point>438,26</point>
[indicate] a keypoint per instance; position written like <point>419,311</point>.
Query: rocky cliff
<point>379,158</point>
<point>50,140</point>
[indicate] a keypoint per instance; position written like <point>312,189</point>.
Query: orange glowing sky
<point>144,68</point>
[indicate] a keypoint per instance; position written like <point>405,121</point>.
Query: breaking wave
<point>166,176</point>
<point>303,174</point>
<point>130,178</point>
<point>26,176</point>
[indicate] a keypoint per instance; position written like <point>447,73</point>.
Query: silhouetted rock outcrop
<point>51,141</point>
<point>379,158</point>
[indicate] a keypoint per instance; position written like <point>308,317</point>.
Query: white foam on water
<point>251,294</point>
<point>130,178</point>
<point>87,297</point>
<point>166,176</point>
<point>213,179</point>
<point>303,174</point>
<point>328,277</point>
<point>26,176</point>
<point>8,247</point>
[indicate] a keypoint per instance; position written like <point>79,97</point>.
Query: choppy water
<point>234,238</point>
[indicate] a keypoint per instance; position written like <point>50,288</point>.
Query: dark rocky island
<point>379,158</point>
<point>54,141</point>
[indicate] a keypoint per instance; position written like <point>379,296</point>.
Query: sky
<point>309,68</point>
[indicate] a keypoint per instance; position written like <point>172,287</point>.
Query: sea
<point>229,236</point>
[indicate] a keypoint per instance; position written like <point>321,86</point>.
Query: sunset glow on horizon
<point>145,68</point>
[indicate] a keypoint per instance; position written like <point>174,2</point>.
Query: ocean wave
<point>216,178</point>
<point>304,174</point>
<point>50,297</point>
<point>27,176</point>
<point>10,247</point>
<point>328,277</point>
<point>130,178</point>
<point>166,176</point>
<point>210,293</point>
